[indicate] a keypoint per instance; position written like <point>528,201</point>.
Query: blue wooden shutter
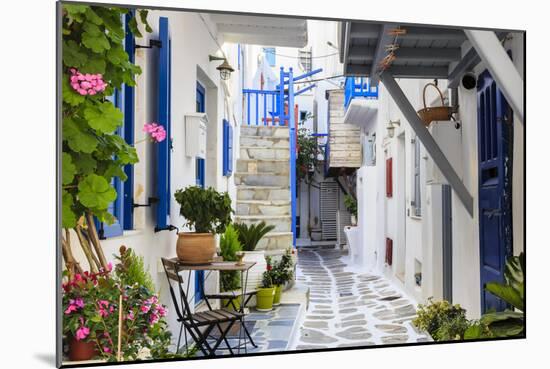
<point>227,148</point>
<point>128,200</point>
<point>163,155</point>
<point>117,206</point>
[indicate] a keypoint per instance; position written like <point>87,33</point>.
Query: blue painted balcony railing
<point>261,107</point>
<point>359,87</point>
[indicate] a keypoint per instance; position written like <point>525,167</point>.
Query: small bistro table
<point>223,266</point>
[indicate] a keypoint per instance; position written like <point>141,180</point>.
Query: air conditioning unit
<point>195,135</point>
<point>449,140</point>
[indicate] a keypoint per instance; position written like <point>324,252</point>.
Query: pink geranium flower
<point>82,333</point>
<point>157,132</point>
<point>86,84</point>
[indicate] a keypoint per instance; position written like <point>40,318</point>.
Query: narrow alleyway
<point>348,308</point>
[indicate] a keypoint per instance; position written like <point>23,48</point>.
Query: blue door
<point>495,186</point>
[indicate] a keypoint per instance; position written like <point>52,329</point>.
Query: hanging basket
<point>431,114</point>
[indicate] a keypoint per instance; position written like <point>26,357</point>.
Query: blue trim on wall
<point>227,165</point>
<point>163,118</point>
<point>201,98</point>
<point>129,128</point>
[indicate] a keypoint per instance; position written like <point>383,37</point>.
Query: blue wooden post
<point>281,98</point>
<point>292,135</point>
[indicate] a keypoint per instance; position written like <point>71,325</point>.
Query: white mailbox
<point>449,140</point>
<point>195,134</point>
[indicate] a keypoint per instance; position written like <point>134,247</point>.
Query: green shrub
<point>132,269</point>
<point>350,204</point>
<point>205,209</point>
<point>283,270</point>
<point>250,235</point>
<point>443,321</point>
<point>229,247</point>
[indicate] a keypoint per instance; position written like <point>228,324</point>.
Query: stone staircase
<point>263,184</point>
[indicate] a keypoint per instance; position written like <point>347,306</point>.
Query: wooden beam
<point>432,33</point>
<point>357,70</point>
<point>501,68</point>
<point>408,54</point>
<point>428,141</point>
<point>418,72</point>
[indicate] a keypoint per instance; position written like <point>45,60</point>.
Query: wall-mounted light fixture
<point>391,127</point>
<point>224,68</point>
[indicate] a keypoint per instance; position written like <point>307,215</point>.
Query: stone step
<point>275,241</point>
<point>262,179</point>
<point>281,222</point>
<point>281,166</point>
<point>264,141</point>
<point>259,207</point>
<point>245,192</point>
<point>270,131</point>
<point>264,153</point>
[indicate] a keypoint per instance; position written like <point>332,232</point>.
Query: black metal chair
<point>200,325</point>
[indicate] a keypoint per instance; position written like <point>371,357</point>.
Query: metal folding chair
<point>199,325</point>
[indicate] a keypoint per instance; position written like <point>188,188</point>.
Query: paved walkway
<point>348,308</point>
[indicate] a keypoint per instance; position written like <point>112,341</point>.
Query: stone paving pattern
<point>349,309</point>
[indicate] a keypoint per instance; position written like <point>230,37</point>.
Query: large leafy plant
<point>95,64</point>
<point>250,235</point>
<point>204,209</point>
<point>510,322</point>
<point>229,247</point>
<point>442,320</point>
<point>283,269</point>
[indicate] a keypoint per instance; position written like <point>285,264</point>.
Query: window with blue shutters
<point>227,167</point>
<point>122,207</point>
<point>163,118</point>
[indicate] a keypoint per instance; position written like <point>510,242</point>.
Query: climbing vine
<point>95,65</point>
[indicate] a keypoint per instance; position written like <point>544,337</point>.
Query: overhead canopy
<point>420,51</point>
<point>258,30</point>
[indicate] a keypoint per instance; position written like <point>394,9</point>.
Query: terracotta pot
<point>81,350</point>
<point>196,248</point>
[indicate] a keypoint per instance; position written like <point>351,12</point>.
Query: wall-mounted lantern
<point>225,68</point>
<point>391,127</point>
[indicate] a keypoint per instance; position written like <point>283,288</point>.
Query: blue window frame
<point>163,118</point>
<point>199,274</point>
<point>227,167</point>
<point>270,55</point>
<point>201,98</point>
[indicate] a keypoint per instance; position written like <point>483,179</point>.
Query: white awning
<point>362,113</point>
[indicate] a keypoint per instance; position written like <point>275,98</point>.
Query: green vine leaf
<point>68,168</point>
<point>95,192</point>
<point>85,163</point>
<point>77,138</point>
<point>115,169</point>
<point>68,217</point>
<point>143,17</point>
<point>73,55</point>
<point>70,96</point>
<point>132,24</point>
<point>92,16</point>
<point>94,39</point>
<point>103,117</point>
<point>94,64</point>
<point>117,55</point>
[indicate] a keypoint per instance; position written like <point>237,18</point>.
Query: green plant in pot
<point>351,204</point>
<point>208,212</point>
<point>282,273</point>
<point>266,290</point>
<point>229,249</point>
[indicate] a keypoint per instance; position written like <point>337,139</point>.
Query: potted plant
<point>266,291</point>
<point>93,320</point>
<point>351,204</point>
<point>207,211</point>
<point>229,248</point>
<point>282,274</point>
<point>249,236</point>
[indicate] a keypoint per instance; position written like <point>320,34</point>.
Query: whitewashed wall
<point>418,240</point>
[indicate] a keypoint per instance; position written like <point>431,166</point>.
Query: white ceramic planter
<point>255,273</point>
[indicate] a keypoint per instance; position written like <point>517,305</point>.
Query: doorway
<point>495,186</point>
